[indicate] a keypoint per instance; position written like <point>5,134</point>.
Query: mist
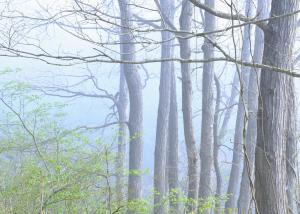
<point>134,107</point>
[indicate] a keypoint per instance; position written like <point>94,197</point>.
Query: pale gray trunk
<point>223,130</point>
<point>239,135</point>
<point>172,168</point>
<point>229,105</point>
<point>275,112</point>
<point>135,123</point>
<point>207,140</point>
<point>121,154</point>
<point>168,9</point>
<point>192,155</point>
<point>217,144</point>
<point>247,188</point>
<point>291,155</point>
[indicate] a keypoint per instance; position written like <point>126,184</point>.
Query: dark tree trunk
<point>168,8</point>
<point>247,183</point>
<point>135,123</point>
<point>276,113</point>
<point>192,155</point>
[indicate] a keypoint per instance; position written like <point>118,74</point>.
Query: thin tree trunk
<point>240,126</point>
<point>275,112</point>
<point>219,136</point>
<point>192,155</point>
<point>206,150</point>
<point>168,8</point>
<point>246,189</point>
<point>121,156</point>
<point>232,100</point>
<point>135,123</point>
<point>173,180</point>
<point>217,144</point>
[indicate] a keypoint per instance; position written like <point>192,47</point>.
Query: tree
<point>206,150</point>
<point>122,113</point>
<point>217,143</point>
<point>167,51</point>
<point>276,112</point>
<point>247,183</point>
<point>172,155</point>
<point>241,119</point>
<point>192,155</point>
<point>135,122</point>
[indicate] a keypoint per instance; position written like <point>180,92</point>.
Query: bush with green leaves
<point>47,168</point>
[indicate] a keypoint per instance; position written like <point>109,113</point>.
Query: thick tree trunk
<point>239,135</point>
<point>136,106</point>
<point>121,154</point>
<point>217,144</point>
<point>246,189</point>
<point>168,8</point>
<point>275,112</point>
<point>291,155</point>
<point>172,168</point>
<point>192,155</point>
<point>207,141</point>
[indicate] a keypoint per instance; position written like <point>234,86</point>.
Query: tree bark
<point>168,8</point>
<point>121,154</point>
<point>206,150</point>
<point>135,123</point>
<point>173,180</point>
<point>217,144</point>
<point>291,155</point>
<point>275,113</point>
<point>247,183</point>
<point>240,126</point>
<point>192,155</point>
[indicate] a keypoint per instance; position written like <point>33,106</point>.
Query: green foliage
<point>140,206</point>
<point>46,168</point>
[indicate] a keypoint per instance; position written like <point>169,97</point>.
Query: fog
<point>74,53</point>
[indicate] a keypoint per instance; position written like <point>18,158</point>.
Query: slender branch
<point>31,133</point>
<point>260,23</point>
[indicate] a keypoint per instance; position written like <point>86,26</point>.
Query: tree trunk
<point>247,183</point>
<point>232,100</point>
<point>217,144</point>
<point>192,155</point>
<point>291,155</point>
<point>240,126</point>
<point>275,112</point>
<point>173,148</point>
<point>135,123</point>
<point>168,8</point>
<point>121,154</point>
<point>206,150</point>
